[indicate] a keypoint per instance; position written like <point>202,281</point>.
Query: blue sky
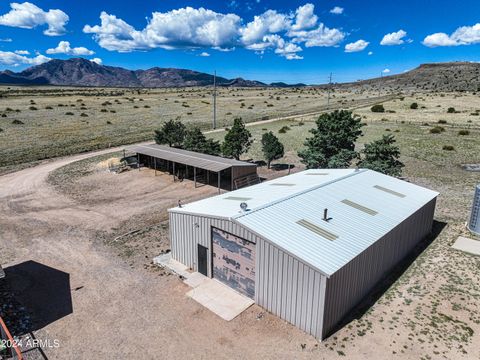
<point>291,41</point>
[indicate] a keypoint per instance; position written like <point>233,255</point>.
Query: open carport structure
<point>227,174</point>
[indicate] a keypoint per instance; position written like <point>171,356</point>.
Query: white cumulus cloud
<point>22,52</point>
<point>305,17</point>
<point>29,16</point>
<point>386,71</point>
<point>337,10</point>
<point>356,46</point>
<point>465,35</point>
<point>97,60</point>
<point>394,38</point>
<point>204,54</point>
<point>10,58</point>
<point>190,28</point>
<point>64,47</point>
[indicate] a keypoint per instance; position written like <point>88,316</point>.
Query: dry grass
<point>102,118</point>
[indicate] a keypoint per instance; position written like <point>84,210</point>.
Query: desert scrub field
<point>46,122</point>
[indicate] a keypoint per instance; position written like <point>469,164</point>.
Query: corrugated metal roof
<point>274,212</point>
<point>190,158</point>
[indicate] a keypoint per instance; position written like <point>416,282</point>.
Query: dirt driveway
<point>116,311</point>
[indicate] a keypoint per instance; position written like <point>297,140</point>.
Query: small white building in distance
<point>307,247</point>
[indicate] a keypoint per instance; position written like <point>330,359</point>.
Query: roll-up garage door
<point>233,261</point>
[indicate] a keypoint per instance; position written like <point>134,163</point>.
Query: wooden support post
<point>174,171</point>
<point>218,182</point>
<point>155,165</point>
<point>186,172</point>
<point>138,161</point>
<point>195,176</point>
<point>208,177</point>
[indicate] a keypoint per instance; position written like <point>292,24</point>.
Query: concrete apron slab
<point>220,299</point>
<point>215,296</point>
<point>467,245</point>
<point>166,261</point>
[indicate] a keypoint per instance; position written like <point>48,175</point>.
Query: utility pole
<point>215,100</point>
<point>328,89</point>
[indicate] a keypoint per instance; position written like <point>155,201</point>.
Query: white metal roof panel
<point>262,194</point>
<point>274,212</point>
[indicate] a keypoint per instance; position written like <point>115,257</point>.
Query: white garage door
<point>233,261</point>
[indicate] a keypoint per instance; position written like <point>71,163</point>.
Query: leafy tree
<point>237,140</point>
<point>333,141</point>
<point>272,148</point>
<point>172,133</point>
<point>414,106</point>
<point>382,155</point>
<point>195,140</point>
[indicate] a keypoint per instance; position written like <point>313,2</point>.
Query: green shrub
<point>464,132</point>
<point>451,110</point>
<point>441,121</point>
<point>414,106</point>
<point>378,108</point>
<point>103,110</point>
<point>437,130</point>
<point>4,115</point>
<point>48,108</point>
<point>17,122</point>
<point>32,108</point>
<point>283,130</point>
<point>109,122</point>
<point>448,148</point>
<point>69,113</point>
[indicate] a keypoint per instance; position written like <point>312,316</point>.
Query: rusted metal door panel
<point>233,262</point>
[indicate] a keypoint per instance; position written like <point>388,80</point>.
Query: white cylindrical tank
<point>474,224</point>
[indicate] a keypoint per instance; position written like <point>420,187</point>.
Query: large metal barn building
<point>307,247</point>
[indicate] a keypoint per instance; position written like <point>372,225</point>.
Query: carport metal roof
<point>190,158</point>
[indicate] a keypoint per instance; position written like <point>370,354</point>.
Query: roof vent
<point>244,206</point>
<point>325,215</point>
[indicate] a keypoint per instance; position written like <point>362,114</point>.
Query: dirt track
<point>118,312</point>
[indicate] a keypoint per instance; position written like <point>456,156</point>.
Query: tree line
<point>332,144</point>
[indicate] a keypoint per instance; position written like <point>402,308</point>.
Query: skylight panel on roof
<point>389,191</point>
<point>317,230</point>
<point>359,207</point>
<point>281,184</point>
<point>237,198</point>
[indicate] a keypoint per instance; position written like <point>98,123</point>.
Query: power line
<point>328,89</point>
<point>215,100</point>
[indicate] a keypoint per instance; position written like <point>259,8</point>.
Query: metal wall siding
<point>185,235</point>
<point>289,289</point>
<point>348,286</point>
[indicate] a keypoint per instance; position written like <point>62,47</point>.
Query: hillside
<point>451,76</point>
<point>82,72</point>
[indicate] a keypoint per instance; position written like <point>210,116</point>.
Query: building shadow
<point>393,275</point>
<point>44,292</point>
<point>281,167</point>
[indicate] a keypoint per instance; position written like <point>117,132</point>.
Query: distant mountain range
<point>451,76</point>
<point>82,72</point>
